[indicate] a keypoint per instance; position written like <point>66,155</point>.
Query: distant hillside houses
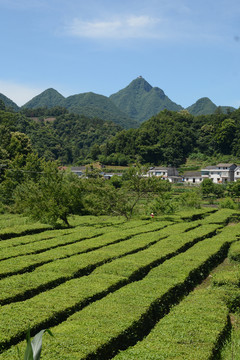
<point>219,174</point>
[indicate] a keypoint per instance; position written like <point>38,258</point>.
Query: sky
<point>188,48</point>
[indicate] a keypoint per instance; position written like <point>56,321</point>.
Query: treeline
<point>171,137</point>
<point>67,137</point>
<point>167,138</point>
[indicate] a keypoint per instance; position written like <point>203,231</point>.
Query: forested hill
<point>8,103</point>
<point>167,138</point>
<point>98,106</point>
<point>88,104</point>
<point>171,137</point>
<point>139,100</point>
<point>48,98</point>
<point>205,106</point>
<point>70,138</point>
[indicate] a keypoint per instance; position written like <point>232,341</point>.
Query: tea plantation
<point>162,288</point>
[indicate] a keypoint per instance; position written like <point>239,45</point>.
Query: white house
<point>166,173</point>
<point>219,173</point>
<point>192,177</point>
<point>237,173</point>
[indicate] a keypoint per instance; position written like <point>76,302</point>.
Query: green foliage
<point>190,199</point>
<point>227,203</point>
<point>116,181</point>
<point>164,204</point>
<point>150,263</point>
<point>166,138</point>
<point>207,187</point>
<point>122,313</point>
<point>55,196</point>
<point>233,189</point>
<point>225,135</point>
<point>121,196</point>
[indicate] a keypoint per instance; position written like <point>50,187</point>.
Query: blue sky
<point>188,48</point>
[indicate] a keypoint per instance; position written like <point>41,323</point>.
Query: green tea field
<point>162,288</point>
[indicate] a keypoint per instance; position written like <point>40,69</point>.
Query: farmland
<point>162,288</point>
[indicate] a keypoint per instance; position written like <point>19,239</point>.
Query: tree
<point>55,196</point>
<point>225,135</point>
<point>207,187</point>
<point>107,197</point>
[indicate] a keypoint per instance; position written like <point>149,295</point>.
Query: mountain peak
<point>9,103</point>
<point>48,98</point>
<point>140,84</point>
<point>140,101</point>
<point>202,106</point>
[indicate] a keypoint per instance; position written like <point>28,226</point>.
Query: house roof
<point>78,168</point>
<point>225,165</point>
<point>159,168</point>
<point>192,174</point>
<point>175,177</point>
<point>210,167</point>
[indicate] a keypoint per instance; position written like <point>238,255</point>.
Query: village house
<point>167,173</point>
<point>237,173</point>
<point>78,170</point>
<point>219,173</point>
<point>192,177</point>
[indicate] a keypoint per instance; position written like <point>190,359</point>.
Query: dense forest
<point>170,137</point>
<point>55,134</point>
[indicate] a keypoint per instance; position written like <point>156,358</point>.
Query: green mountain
<point>205,106</point>
<point>140,101</point>
<point>9,103</point>
<point>98,106</point>
<point>87,104</point>
<point>48,98</point>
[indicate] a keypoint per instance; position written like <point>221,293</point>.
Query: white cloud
<point>19,93</point>
<point>125,27</point>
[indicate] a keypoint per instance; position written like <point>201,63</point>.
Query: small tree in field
<point>104,197</point>
<point>55,196</point>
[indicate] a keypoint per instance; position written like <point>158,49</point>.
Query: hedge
<point>28,262</point>
<point>194,329</point>
<point>123,317</point>
<point>106,278</point>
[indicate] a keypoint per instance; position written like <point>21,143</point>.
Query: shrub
<point>227,203</point>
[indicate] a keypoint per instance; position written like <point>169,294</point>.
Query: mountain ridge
<point>128,107</point>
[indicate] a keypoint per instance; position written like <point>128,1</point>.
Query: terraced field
<point>124,290</point>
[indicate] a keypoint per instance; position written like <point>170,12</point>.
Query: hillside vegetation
<point>171,137</point>
<point>87,104</point>
<point>167,138</point>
